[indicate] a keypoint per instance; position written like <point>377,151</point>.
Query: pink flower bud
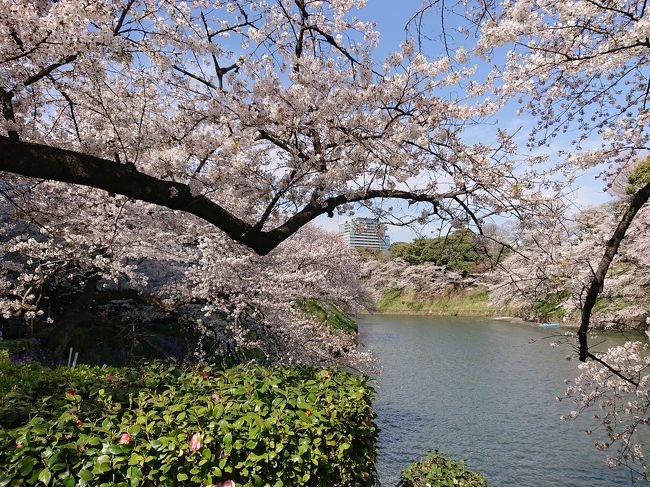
<point>125,439</point>
<point>195,442</point>
<point>228,483</point>
<point>19,445</point>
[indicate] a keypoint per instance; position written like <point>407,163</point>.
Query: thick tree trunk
<point>598,278</point>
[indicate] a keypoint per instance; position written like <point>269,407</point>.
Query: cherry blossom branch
<point>24,53</point>
<point>197,78</point>
<point>120,21</point>
<point>617,373</point>
<point>46,162</point>
<point>48,69</point>
<point>611,249</point>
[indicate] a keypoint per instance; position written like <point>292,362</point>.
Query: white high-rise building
<point>365,233</point>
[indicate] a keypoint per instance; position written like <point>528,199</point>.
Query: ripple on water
<point>481,390</point>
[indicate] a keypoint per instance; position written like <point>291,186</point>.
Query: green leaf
<point>100,468</point>
<point>116,449</point>
<point>85,475</point>
<point>45,476</point>
<point>26,466</point>
<point>103,459</point>
<point>134,473</point>
<point>217,411</point>
<point>181,477</point>
<point>135,459</point>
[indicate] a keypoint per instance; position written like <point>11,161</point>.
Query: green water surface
<point>483,390</point>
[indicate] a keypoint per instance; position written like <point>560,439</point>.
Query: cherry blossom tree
<point>584,68</point>
<point>554,260</point>
<point>580,67</point>
<point>255,116</point>
<point>235,301</point>
<point>144,131</point>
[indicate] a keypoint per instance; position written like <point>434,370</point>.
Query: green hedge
<point>163,425</point>
<point>439,471</point>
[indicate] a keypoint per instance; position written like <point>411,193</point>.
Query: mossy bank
<point>463,302</point>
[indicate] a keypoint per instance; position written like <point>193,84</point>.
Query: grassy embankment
<point>550,308</point>
<point>473,302</point>
<point>331,314</point>
<point>459,251</point>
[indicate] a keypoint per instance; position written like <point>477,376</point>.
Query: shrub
<point>439,471</point>
<point>163,425</point>
<point>20,350</point>
<point>457,251</point>
<point>640,176</point>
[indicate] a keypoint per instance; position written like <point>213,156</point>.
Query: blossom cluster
<point>620,408</point>
<point>233,298</point>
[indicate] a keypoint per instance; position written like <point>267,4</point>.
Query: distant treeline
<point>462,251</point>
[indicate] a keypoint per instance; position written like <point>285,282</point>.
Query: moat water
<point>483,390</point>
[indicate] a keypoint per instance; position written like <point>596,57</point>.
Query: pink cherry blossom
<point>195,442</point>
<point>268,142</point>
<point>194,151</point>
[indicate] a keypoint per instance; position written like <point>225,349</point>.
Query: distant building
<point>365,233</point>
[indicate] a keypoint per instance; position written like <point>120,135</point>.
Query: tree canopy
<point>255,116</point>
<point>135,131</point>
<point>459,250</point>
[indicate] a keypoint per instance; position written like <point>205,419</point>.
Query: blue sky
<point>391,17</point>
